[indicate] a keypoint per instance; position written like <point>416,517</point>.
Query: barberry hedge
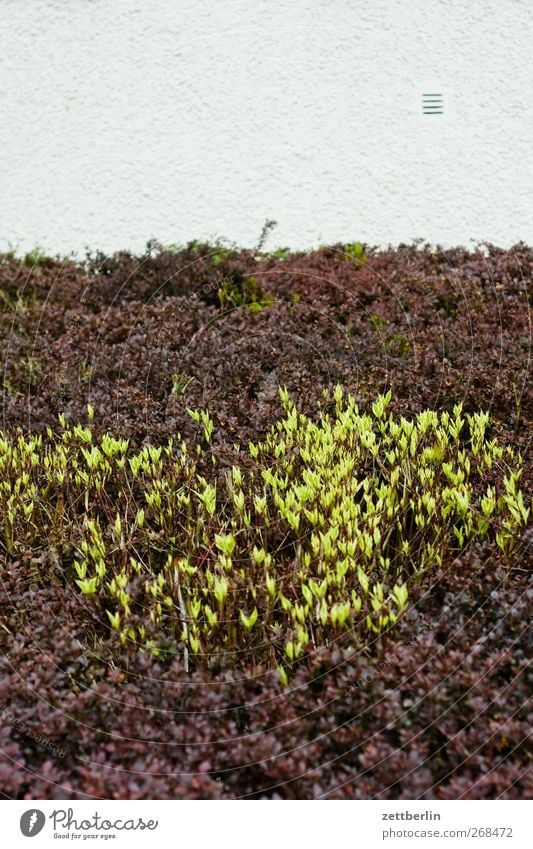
<point>265,523</point>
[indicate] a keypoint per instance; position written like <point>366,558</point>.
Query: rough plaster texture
<point>124,120</point>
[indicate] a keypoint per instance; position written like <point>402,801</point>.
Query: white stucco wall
<point>124,120</point>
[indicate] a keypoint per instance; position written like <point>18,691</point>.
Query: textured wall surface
<point>124,120</point>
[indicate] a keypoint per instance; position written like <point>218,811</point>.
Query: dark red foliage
<point>437,709</point>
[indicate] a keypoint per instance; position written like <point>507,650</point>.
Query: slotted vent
<point>432,104</point>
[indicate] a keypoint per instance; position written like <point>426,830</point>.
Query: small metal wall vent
<point>432,104</point>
